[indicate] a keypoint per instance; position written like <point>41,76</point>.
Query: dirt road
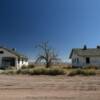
<point>23,87</point>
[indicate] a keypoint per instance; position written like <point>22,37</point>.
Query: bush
<point>55,71</point>
<point>90,67</point>
<point>67,67</point>
<point>51,71</point>
<point>47,71</point>
<point>31,66</point>
<point>81,72</point>
<point>38,71</point>
<point>9,72</point>
<point>28,67</point>
<point>23,71</point>
<point>23,67</point>
<point>89,72</point>
<point>7,68</point>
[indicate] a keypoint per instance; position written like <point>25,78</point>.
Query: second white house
<point>85,56</point>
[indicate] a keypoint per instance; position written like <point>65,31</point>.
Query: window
<point>87,60</point>
<point>1,52</point>
<point>73,60</point>
<point>8,61</point>
<point>77,60</point>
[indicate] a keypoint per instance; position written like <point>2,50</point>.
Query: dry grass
<point>54,70</point>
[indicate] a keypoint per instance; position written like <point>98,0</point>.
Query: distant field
<point>24,87</point>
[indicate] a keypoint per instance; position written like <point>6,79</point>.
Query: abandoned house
<point>11,58</point>
<point>85,56</point>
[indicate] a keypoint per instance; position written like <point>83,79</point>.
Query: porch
<point>8,62</point>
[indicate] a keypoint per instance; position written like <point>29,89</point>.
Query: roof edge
<point>14,52</point>
<point>70,56</point>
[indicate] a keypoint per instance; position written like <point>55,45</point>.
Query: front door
<point>87,60</point>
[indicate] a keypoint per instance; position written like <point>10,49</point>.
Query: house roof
<point>14,52</point>
<point>85,52</point>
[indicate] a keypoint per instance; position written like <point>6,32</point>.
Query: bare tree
<point>47,54</point>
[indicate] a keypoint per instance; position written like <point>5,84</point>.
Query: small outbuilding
<point>85,56</point>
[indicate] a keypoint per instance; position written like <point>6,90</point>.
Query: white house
<point>11,58</point>
<point>85,56</point>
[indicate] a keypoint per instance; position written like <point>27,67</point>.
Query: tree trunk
<point>47,65</point>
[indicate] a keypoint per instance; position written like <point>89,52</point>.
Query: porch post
<point>17,63</point>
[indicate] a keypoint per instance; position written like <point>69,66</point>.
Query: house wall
<point>21,62</point>
<point>77,61</point>
<point>18,64</point>
<point>6,54</point>
<point>82,61</point>
<point>95,61</point>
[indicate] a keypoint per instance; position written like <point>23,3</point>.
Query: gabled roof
<point>87,52</point>
<point>14,52</point>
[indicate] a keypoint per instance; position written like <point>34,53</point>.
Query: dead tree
<point>47,54</point>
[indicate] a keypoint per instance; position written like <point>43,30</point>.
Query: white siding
<point>21,63</point>
<point>82,61</point>
<point>95,61</point>
<point>76,60</point>
<point>8,54</point>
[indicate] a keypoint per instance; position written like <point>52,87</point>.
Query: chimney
<point>13,49</point>
<point>85,47</point>
<point>98,46</point>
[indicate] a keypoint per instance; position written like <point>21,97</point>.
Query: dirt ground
<point>23,87</point>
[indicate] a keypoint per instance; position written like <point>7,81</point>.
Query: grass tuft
<point>84,72</point>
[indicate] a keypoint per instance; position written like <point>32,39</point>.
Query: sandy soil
<point>19,87</point>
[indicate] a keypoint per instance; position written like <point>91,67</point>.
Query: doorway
<point>87,60</point>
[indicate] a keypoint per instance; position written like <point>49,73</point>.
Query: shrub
<point>55,71</point>
<point>74,72</point>
<point>81,72</point>
<point>23,67</point>
<point>22,71</point>
<point>89,72</point>
<point>38,71</point>
<point>47,71</point>
<point>67,67</point>
<point>31,66</point>
<point>28,67</point>
<point>7,68</point>
<point>90,67</point>
<point>51,71</point>
<point>8,72</point>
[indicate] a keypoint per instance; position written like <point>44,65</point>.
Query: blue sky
<point>66,24</point>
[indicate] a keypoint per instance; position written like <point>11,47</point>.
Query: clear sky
<point>66,24</point>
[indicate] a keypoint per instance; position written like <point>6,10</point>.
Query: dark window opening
<point>87,60</point>
<point>1,52</point>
